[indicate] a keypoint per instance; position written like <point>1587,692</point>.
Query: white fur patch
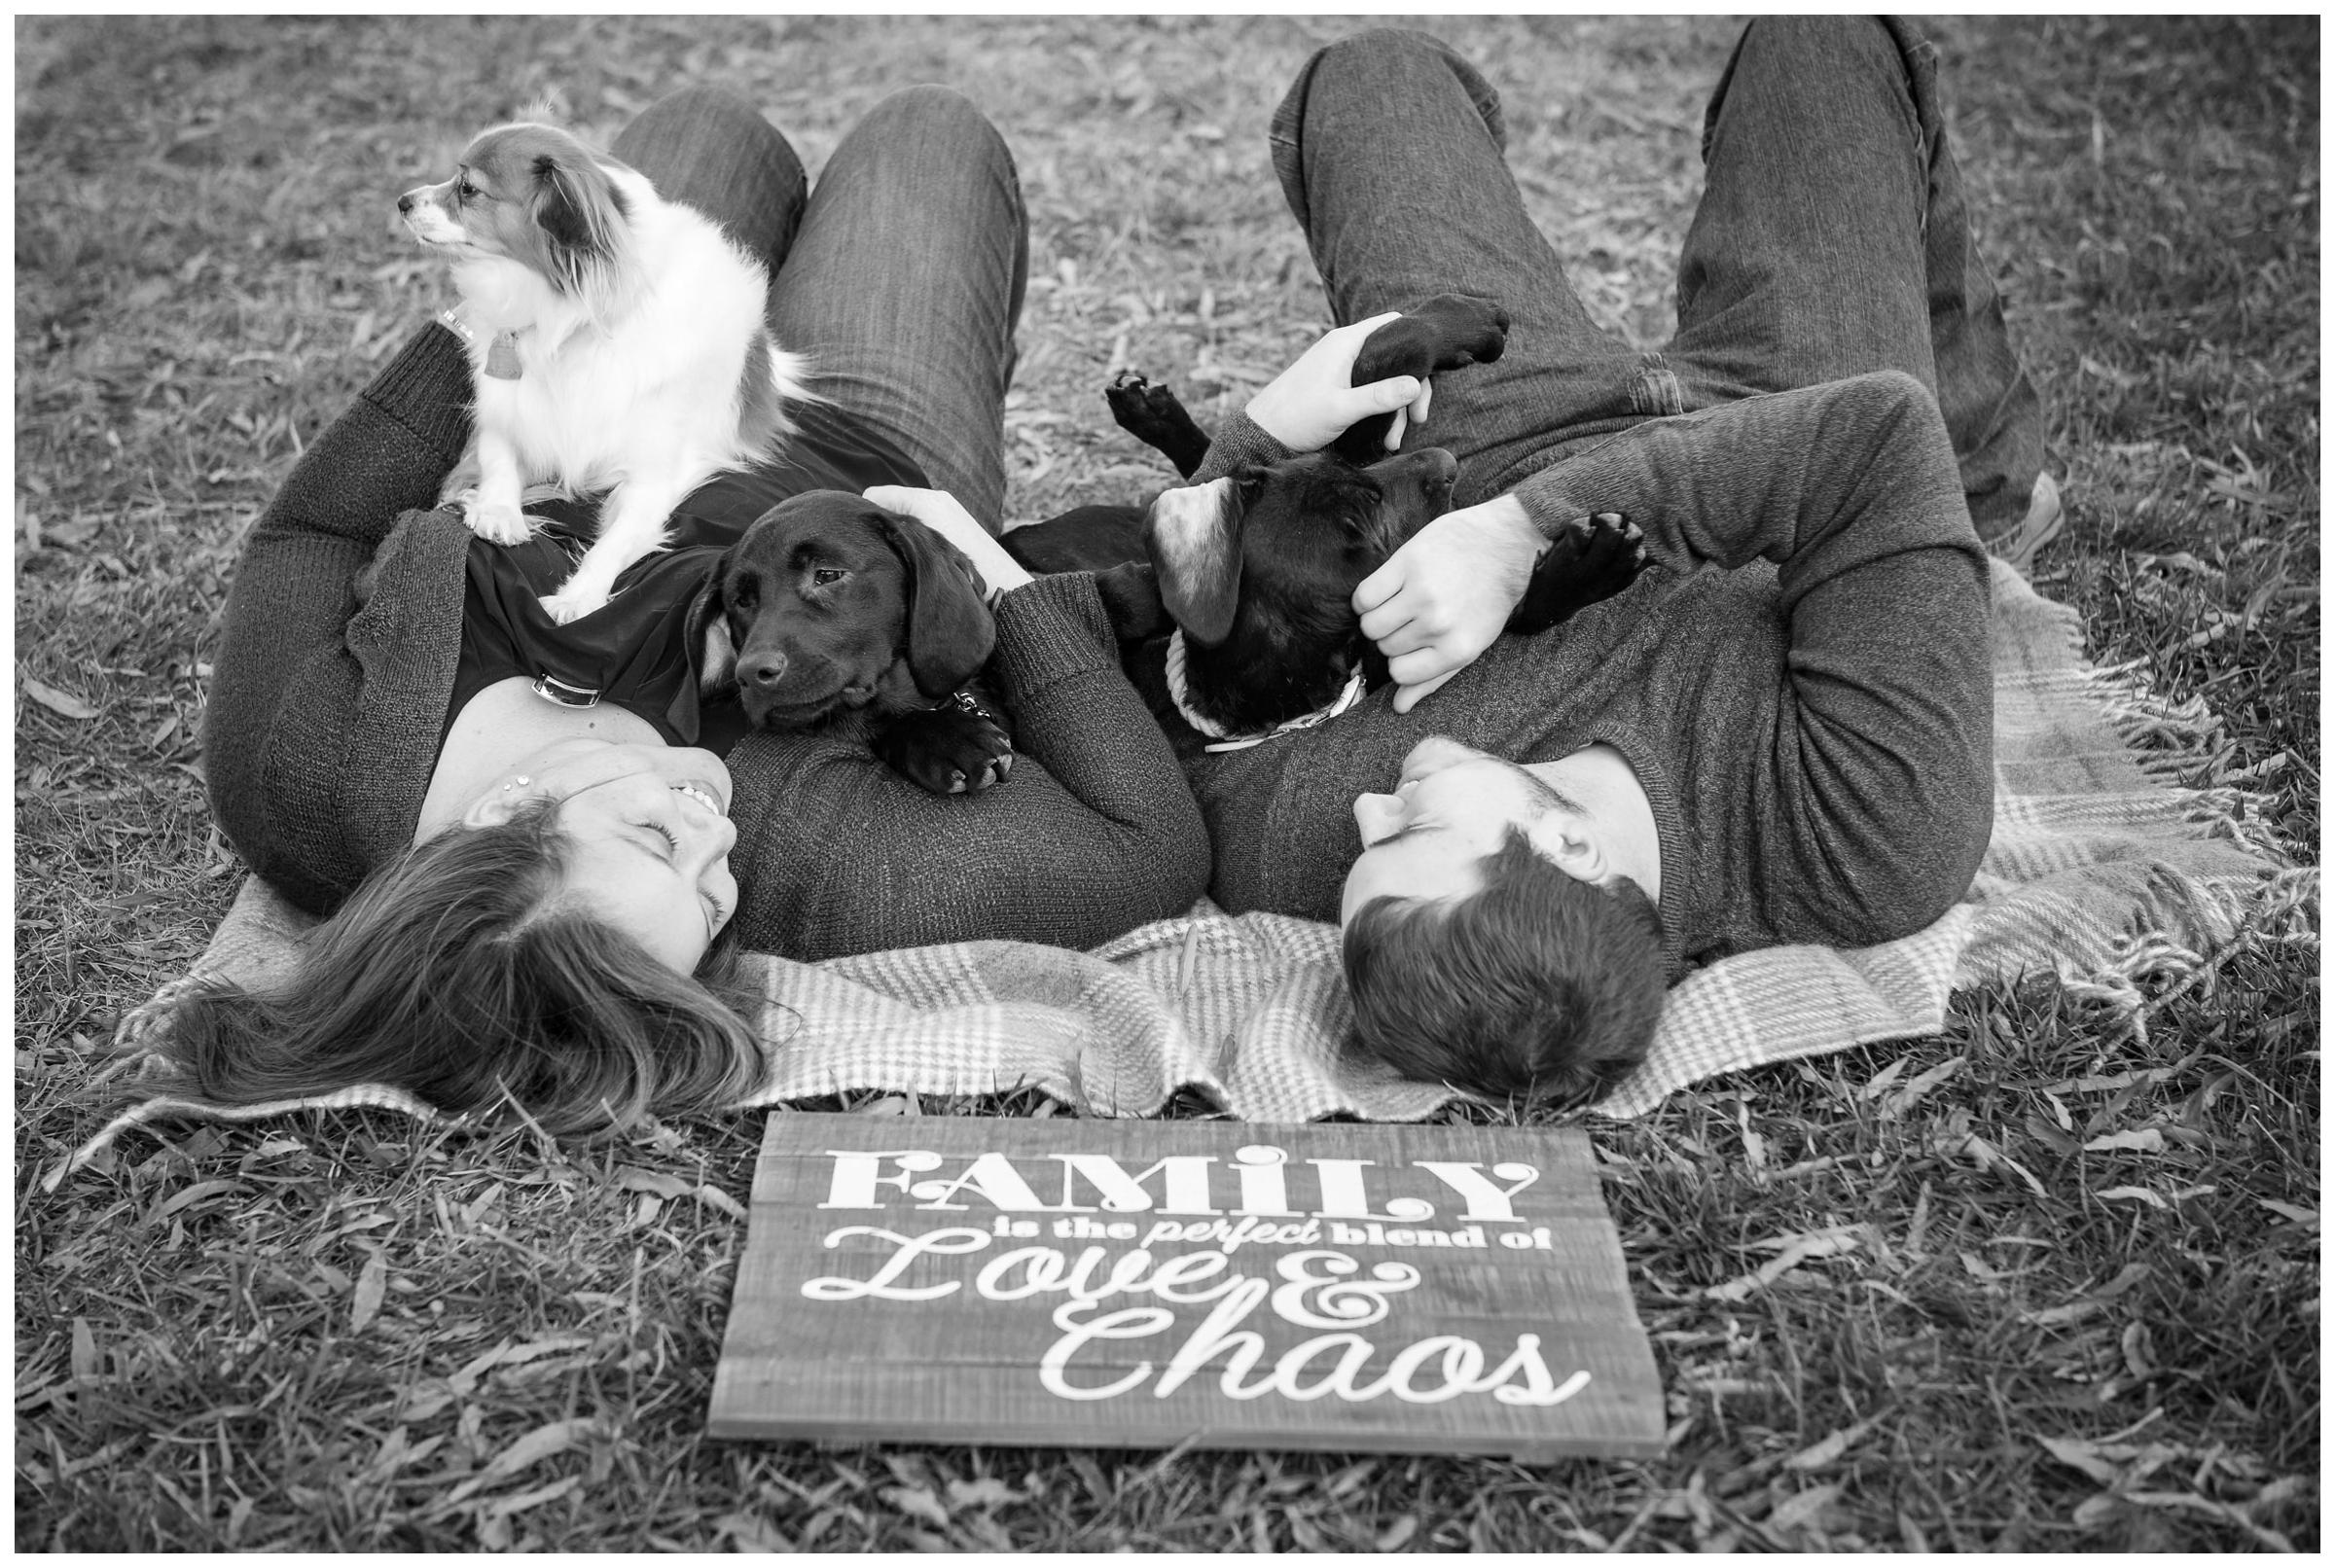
<point>638,384</point>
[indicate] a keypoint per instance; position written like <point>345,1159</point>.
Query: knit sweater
<point>1813,724</point>
<point>323,723</point>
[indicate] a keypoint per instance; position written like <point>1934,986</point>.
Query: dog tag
<point>552,688</point>
<point>502,357</point>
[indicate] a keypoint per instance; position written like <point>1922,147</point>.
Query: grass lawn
<point>342,1331</point>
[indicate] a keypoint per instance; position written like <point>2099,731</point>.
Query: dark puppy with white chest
<point>1258,570</point>
<point>831,613</point>
<point>1254,573</point>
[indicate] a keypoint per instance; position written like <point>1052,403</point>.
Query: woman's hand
<point>1445,594</point>
<point>1310,405</point>
<point>946,516</point>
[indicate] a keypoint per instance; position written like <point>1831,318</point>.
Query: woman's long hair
<point>455,973</point>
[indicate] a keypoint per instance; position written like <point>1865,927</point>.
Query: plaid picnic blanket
<point>2105,870</point>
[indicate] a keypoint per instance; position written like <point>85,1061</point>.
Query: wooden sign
<point>1135,1284</point>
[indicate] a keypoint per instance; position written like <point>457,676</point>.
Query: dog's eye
<point>466,191</point>
<point>824,574</point>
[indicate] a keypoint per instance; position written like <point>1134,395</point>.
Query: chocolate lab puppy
<point>831,613</point>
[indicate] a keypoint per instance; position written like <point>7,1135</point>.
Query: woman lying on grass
<point>541,902</point>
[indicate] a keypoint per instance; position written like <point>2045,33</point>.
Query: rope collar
<point>1223,739</point>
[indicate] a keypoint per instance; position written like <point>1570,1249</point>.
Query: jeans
<point>901,276</point>
<point>1832,240</point>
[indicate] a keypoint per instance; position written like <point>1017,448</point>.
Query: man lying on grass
<point>1794,748</point>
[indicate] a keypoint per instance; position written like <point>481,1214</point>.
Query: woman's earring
<point>519,783</point>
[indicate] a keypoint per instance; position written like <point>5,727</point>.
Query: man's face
<point>1453,807</point>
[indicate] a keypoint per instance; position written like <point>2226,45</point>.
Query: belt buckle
<point>553,689</point>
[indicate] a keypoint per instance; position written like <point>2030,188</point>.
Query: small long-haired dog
<point>616,340</point>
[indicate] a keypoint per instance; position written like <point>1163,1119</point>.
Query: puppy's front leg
<point>632,525</point>
<point>495,513</point>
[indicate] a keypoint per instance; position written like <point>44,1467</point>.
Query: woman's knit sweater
<point>324,717</point>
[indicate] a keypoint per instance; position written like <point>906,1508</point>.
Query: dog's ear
<point>1192,535</point>
<point>949,629</point>
<point>580,213</point>
<point>705,630</point>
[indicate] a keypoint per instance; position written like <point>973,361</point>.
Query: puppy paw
<point>1156,417</point>
<point>571,603</point>
<point>949,750</point>
<point>496,522</point>
<point>1594,559</point>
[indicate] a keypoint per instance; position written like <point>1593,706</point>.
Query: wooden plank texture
<point>1140,1284</point>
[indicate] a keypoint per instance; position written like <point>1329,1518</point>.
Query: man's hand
<point>1441,600</point>
<point>1310,405</point>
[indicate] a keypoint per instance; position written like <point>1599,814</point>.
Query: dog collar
<point>1222,739</point>
<point>502,354</point>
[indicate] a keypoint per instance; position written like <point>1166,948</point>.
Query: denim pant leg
<point>713,151</point>
<point>1833,238</point>
<point>1389,149</point>
<point>905,282</point>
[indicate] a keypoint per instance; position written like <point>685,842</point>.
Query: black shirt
<point>633,651</point>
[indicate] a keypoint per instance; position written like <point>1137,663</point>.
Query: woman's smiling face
<point>649,839</point>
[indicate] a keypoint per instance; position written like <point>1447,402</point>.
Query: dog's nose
<point>1442,467</point>
<point>765,669</point>
<point>404,203</point>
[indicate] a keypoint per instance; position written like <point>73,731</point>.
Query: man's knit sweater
<point>324,719</point>
<point>1814,725</point>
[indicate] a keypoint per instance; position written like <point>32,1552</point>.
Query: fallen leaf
<point>918,1503</point>
<point>509,1506</point>
<point>54,700</point>
<point>531,1450</point>
<point>1904,1100</point>
<point>2290,1211</point>
<point>2078,1454</point>
<point>633,1178</point>
<point>2096,1510</point>
<point>1881,1080</point>
<point>1397,1535</point>
<point>1986,1153</point>
<point>192,1195</point>
<point>1802,1508</point>
<point>2143,1141</point>
<point>986,1493</point>
<point>2217,1510</point>
<point>2071,1312</point>
<point>85,1364</point>
<point>1816,1455</point>
<point>1800,1251</point>
<point>1981,1271</point>
<point>2141,1195</point>
<point>713,1197</point>
<point>372,1284</point>
<point>747,1533</point>
<point>466,1379</point>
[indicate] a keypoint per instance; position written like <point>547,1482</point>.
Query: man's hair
<point>1538,987</point>
<point>458,973</point>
